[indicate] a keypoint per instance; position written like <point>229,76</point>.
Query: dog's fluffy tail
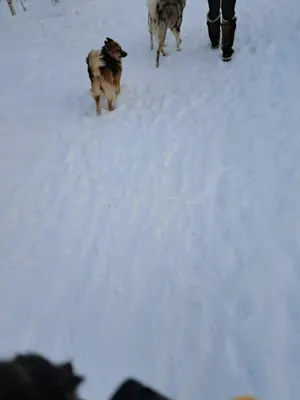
<point>95,62</point>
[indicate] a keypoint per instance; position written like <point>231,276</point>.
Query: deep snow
<point>160,240</point>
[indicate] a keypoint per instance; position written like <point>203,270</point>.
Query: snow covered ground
<point>160,240</point>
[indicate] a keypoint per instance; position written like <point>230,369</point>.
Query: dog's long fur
<point>32,376</point>
<point>164,15</point>
<point>105,71</point>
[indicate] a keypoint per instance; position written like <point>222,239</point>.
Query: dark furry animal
<point>132,389</point>
<point>164,15</point>
<point>105,72</point>
<point>33,377</point>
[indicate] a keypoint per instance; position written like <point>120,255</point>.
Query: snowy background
<point>161,240</point>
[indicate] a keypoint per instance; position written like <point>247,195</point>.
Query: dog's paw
<point>178,49</point>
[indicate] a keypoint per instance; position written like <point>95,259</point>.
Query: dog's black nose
<point>124,54</point>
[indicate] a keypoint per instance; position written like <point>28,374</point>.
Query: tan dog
<point>105,72</point>
<point>164,15</point>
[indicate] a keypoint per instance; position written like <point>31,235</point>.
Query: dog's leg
<point>117,80</point>
<point>96,93</point>
<point>162,32</point>
<point>151,41</point>
<point>176,33</point>
<point>162,43</point>
<point>150,29</point>
<point>108,89</point>
<point>110,105</point>
<point>96,97</point>
<point>110,94</point>
<point>97,101</point>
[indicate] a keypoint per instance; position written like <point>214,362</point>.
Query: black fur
<point>110,62</point>
<point>131,389</point>
<point>33,377</point>
<point>89,69</point>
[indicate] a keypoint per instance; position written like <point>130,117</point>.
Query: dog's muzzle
<point>123,54</point>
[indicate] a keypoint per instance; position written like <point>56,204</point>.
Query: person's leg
<point>214,9</point>
<point>228,9</point>
<point>213,22</point>
<point>228,28</point>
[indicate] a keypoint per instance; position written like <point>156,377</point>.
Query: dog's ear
<point>77,380</point>
<point>109,39</point>
<point>67,366</point>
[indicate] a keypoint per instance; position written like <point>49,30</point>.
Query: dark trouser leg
<point>213,22</point>
<point>214,8</point>
<point>228,28</point>
<point>228,9</point>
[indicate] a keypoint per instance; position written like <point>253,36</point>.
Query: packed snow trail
<point>161,240</point>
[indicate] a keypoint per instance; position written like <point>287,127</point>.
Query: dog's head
<point>132,388</point>
<point>114,49</point>
<point>57,381</point>
<point>68,382</point>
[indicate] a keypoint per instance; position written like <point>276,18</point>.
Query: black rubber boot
<point>214,28</point>
<point>228,34</point>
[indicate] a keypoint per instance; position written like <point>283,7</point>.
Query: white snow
<point>161,240</point>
